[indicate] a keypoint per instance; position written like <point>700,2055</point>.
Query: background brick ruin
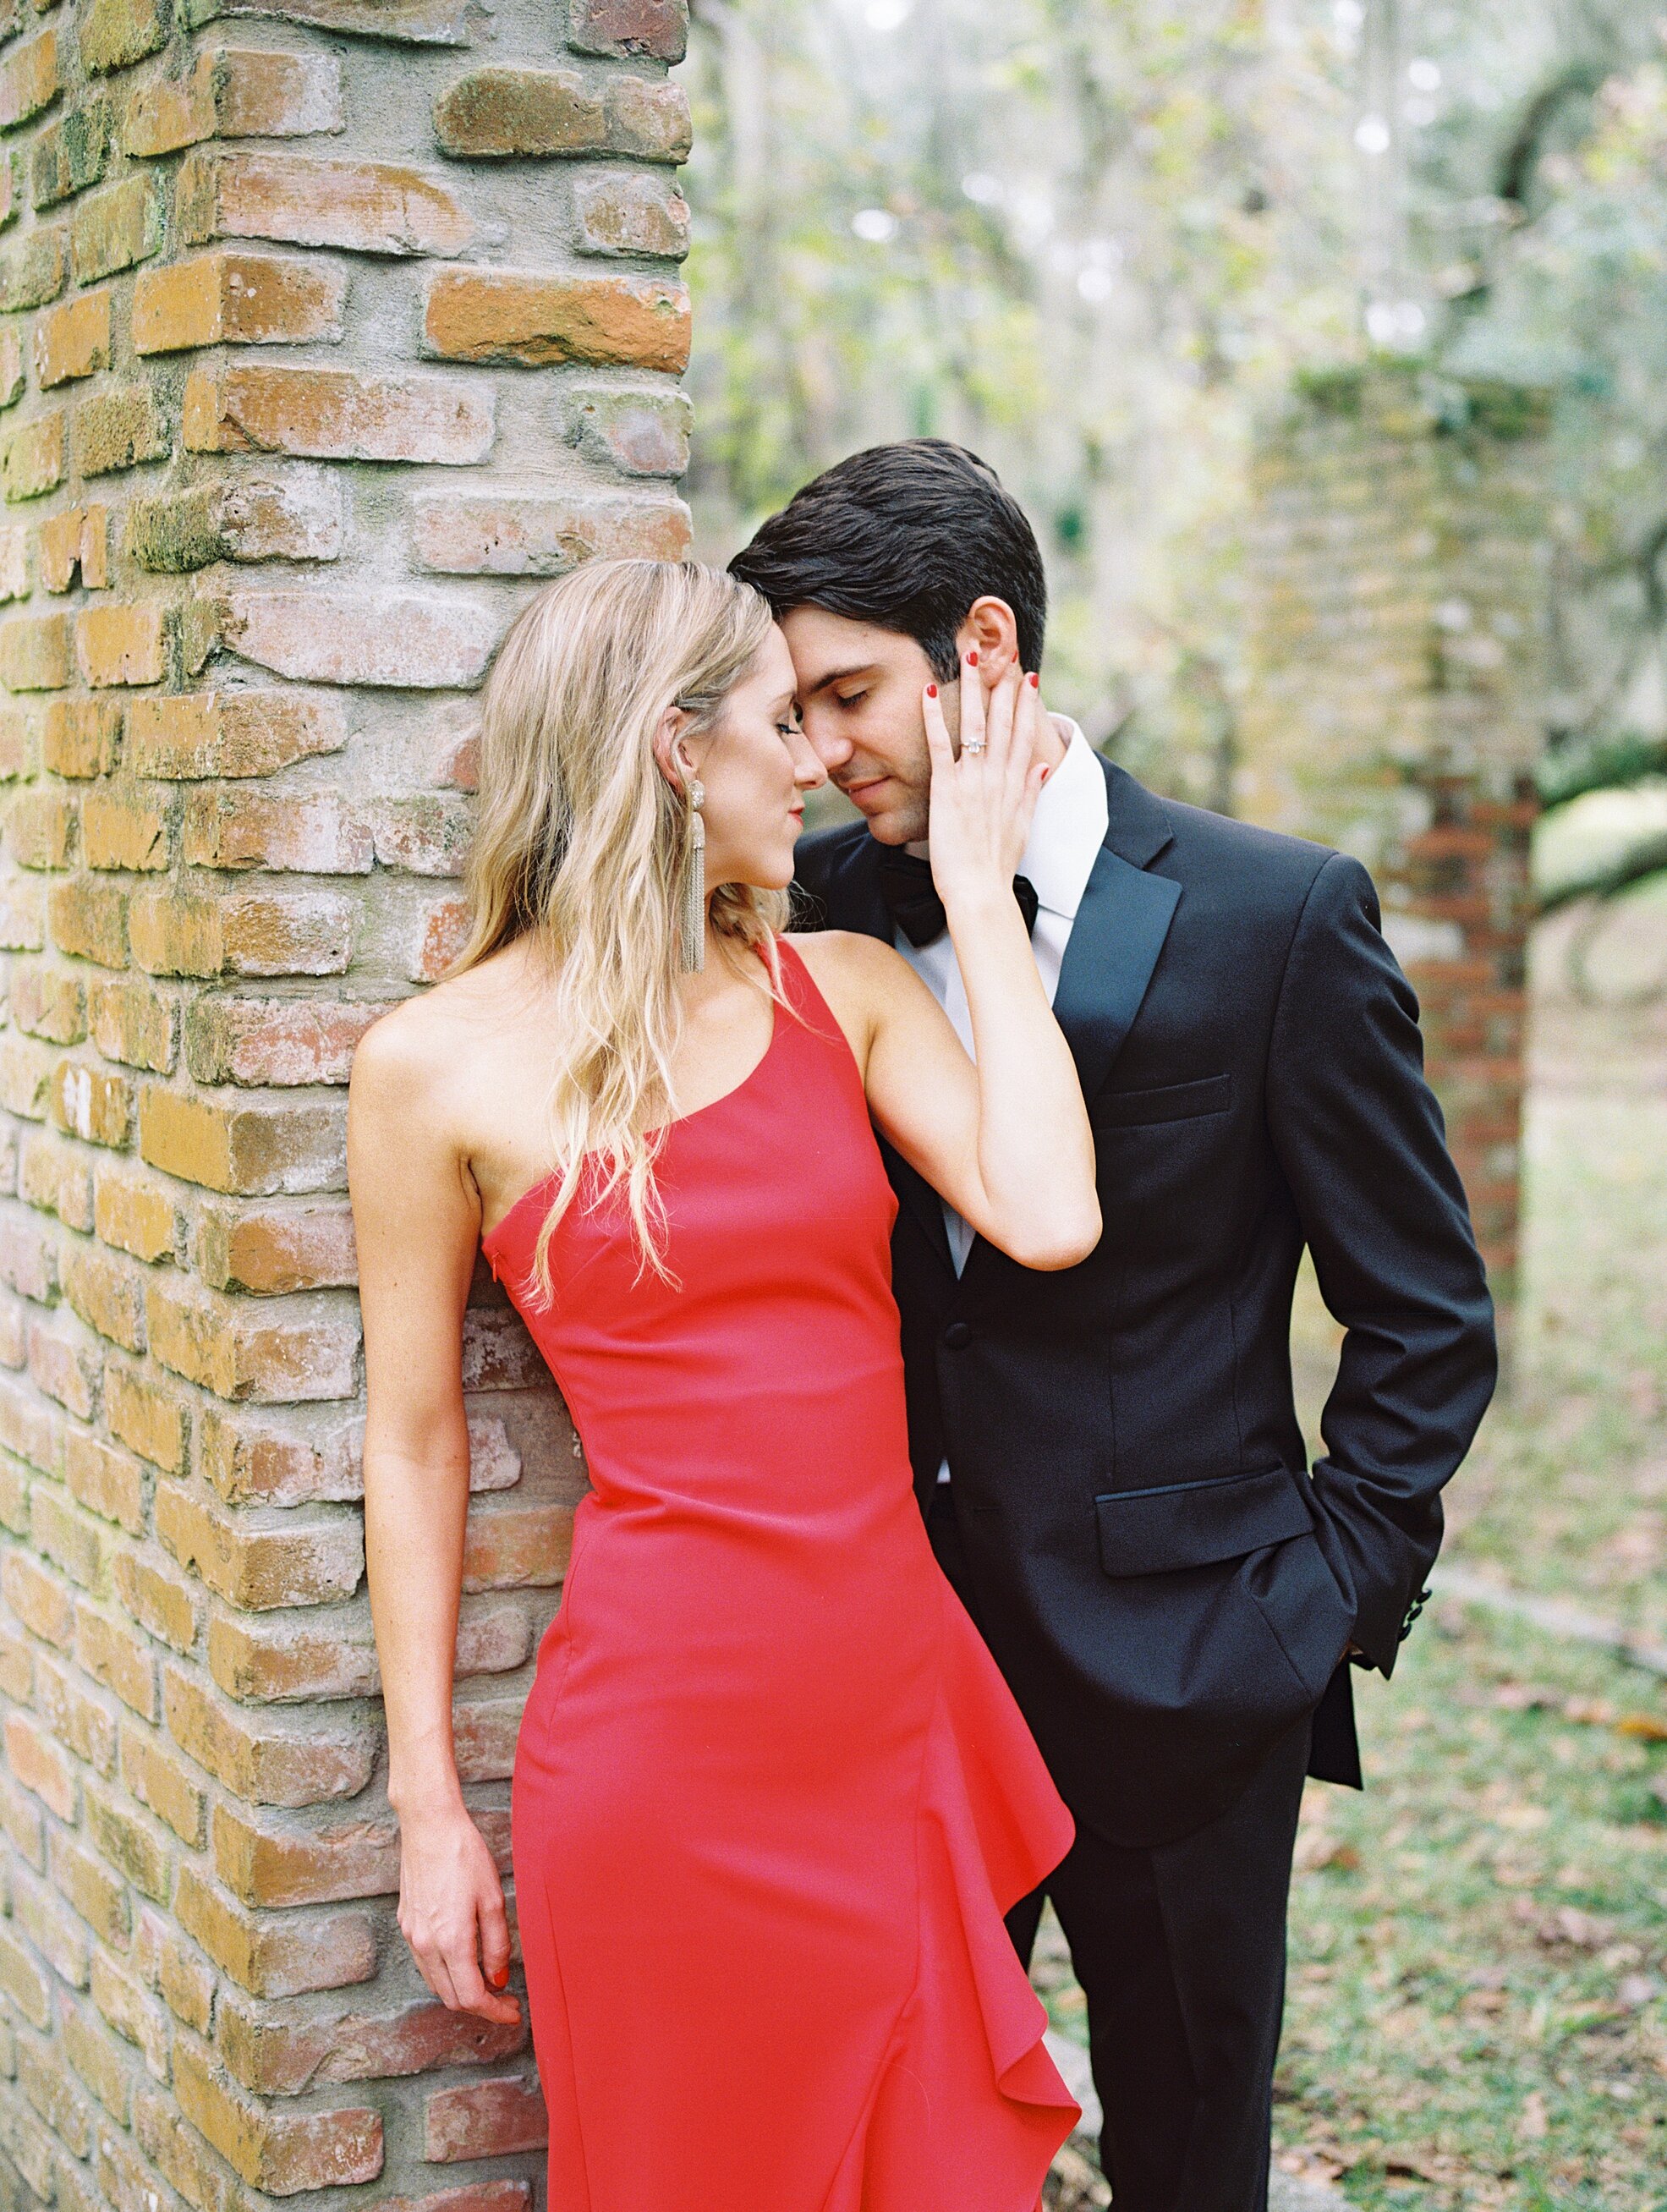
<point>1395,706</point>
<point>325,324</point>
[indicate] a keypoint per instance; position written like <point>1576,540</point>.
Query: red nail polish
<point>1035,681</point>
<point>500,1979</point>
<point>973,658</point>
<point>931,690</point>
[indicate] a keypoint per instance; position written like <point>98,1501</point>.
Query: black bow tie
<point>907,886</point>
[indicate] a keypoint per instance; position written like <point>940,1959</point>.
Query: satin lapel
<point>1114,944</point>
<point>853,901</point>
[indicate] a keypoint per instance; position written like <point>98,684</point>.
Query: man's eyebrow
<point>841,676</point>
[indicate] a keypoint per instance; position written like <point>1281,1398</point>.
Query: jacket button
<point>958,1335</point>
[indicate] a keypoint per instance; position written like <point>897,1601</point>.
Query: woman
<point>771,1796</point>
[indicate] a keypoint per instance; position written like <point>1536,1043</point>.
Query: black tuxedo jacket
<point>1163,1583</point>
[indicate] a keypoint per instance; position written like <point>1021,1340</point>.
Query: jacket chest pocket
<point>1161,1156</point>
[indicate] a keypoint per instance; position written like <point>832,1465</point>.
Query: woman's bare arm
<point>416,1223</point>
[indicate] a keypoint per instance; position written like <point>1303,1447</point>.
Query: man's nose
<point>809,771</point>
<point>832,749</point>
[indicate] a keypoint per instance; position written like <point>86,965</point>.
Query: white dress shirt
<point>1066,833</point>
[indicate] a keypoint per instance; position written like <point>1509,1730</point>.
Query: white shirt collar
<point>1068,827</point>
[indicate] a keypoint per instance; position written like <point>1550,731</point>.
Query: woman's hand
<point>982,802</point>
<point>451,1914</point>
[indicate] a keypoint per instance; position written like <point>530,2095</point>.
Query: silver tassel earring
<point>693,930</point>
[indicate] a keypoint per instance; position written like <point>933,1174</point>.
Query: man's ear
<point>671,756</point>
<point>993,627</point>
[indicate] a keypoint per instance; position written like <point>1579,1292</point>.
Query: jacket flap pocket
<point>1173,1102</point>
<point>1152,1532</point>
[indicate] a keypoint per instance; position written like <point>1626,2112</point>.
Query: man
<point>1109,1458</point>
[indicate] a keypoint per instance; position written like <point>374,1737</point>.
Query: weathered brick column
<point>326,324</point>
<point>1395,705</point>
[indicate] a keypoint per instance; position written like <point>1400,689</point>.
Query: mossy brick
<point>126,826</point>
<point>34,271</point>
<point>200,734</point>
<point>13,561</point>
<point>116,1656</point>
<point>116,33</point>
<point>243,1146</point>
<point>145,1415</point>
<point>120,1996</point>
<point>257,1352</point>
<point>228,298</point>
<point>160,1600</point>
<point>48,1004</point>
<point>42,1601</point>
<point>271,1250</point>
<point>301,933</point>
<point>23,1979</point>
<point>535,318</point>
<point>122,642</point>
<point>655,29</point>
<point>72,339</point>
<point>115,430</point>
<point>134,1213</point>
<point>99,2060</point>
<point>36,653</point>
<point>299,199</point>
<point>94,1103</point>
<point>236,93</point>
<point>296,517</point>
<point>616,212</point>
<point>75,544</point>
<point>280,1958</point>
<point>503,112</point>
<point>160,1780</point>
<point>108,1294</point>
<point>70,154</point>
<point>272,2149</point>
<point>41,1765</point>
<point>26,1074</point>
<point>31,458</point>
<point>138,1027</point>
<point>106,1481</point>
<point>90,919</point>
<point>326,414</point>
<point>30,79</point>
<point>88,1889</point>
<point>263,1757</point>
<point>41,828</point>
<point>406,22</point>
<point>543,535</point>
<point>117,228</point>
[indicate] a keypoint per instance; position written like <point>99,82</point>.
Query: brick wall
<point>1397,705</point>
<point>325,325</point>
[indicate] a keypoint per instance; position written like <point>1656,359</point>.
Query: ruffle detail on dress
<point>968,2109</point>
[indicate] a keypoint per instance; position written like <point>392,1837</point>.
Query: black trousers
<point>1180,1952</point>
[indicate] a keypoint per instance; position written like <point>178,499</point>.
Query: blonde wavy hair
<point>581,844</point>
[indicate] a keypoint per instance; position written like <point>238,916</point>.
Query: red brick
<point>257,1568</point>
<point>362,207</point>
<point>253,1148</point>
<point>275,1249</point>
<point>267,1861</point>
<point>497,112</point>
<point>254,933</point>
<point>158,1778</point>
<point>260,1458</point>
<point>260,1757</point>
<point>126,827</point>
<point>39,1765</point>
<point>160,1599</point>
<point>236,299</point>
<point>43,1605</point>
<point>122,642</point>
<point>108,1482</point>
<point>518,1546</point>
<point>484,2119</point>
<point>278,1042</point>
<point>77,541</point>
<point>236,93</point>
<point>276,2151</point>
<point>618,212</point>
<point>380,638</point>
<point>329,414</point>
<point>535,318</point>
<point>90,919</point>
<point>277,2057</point>
<point>113,1656</point>
<point>655,29</point>
<point>545,536</point>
